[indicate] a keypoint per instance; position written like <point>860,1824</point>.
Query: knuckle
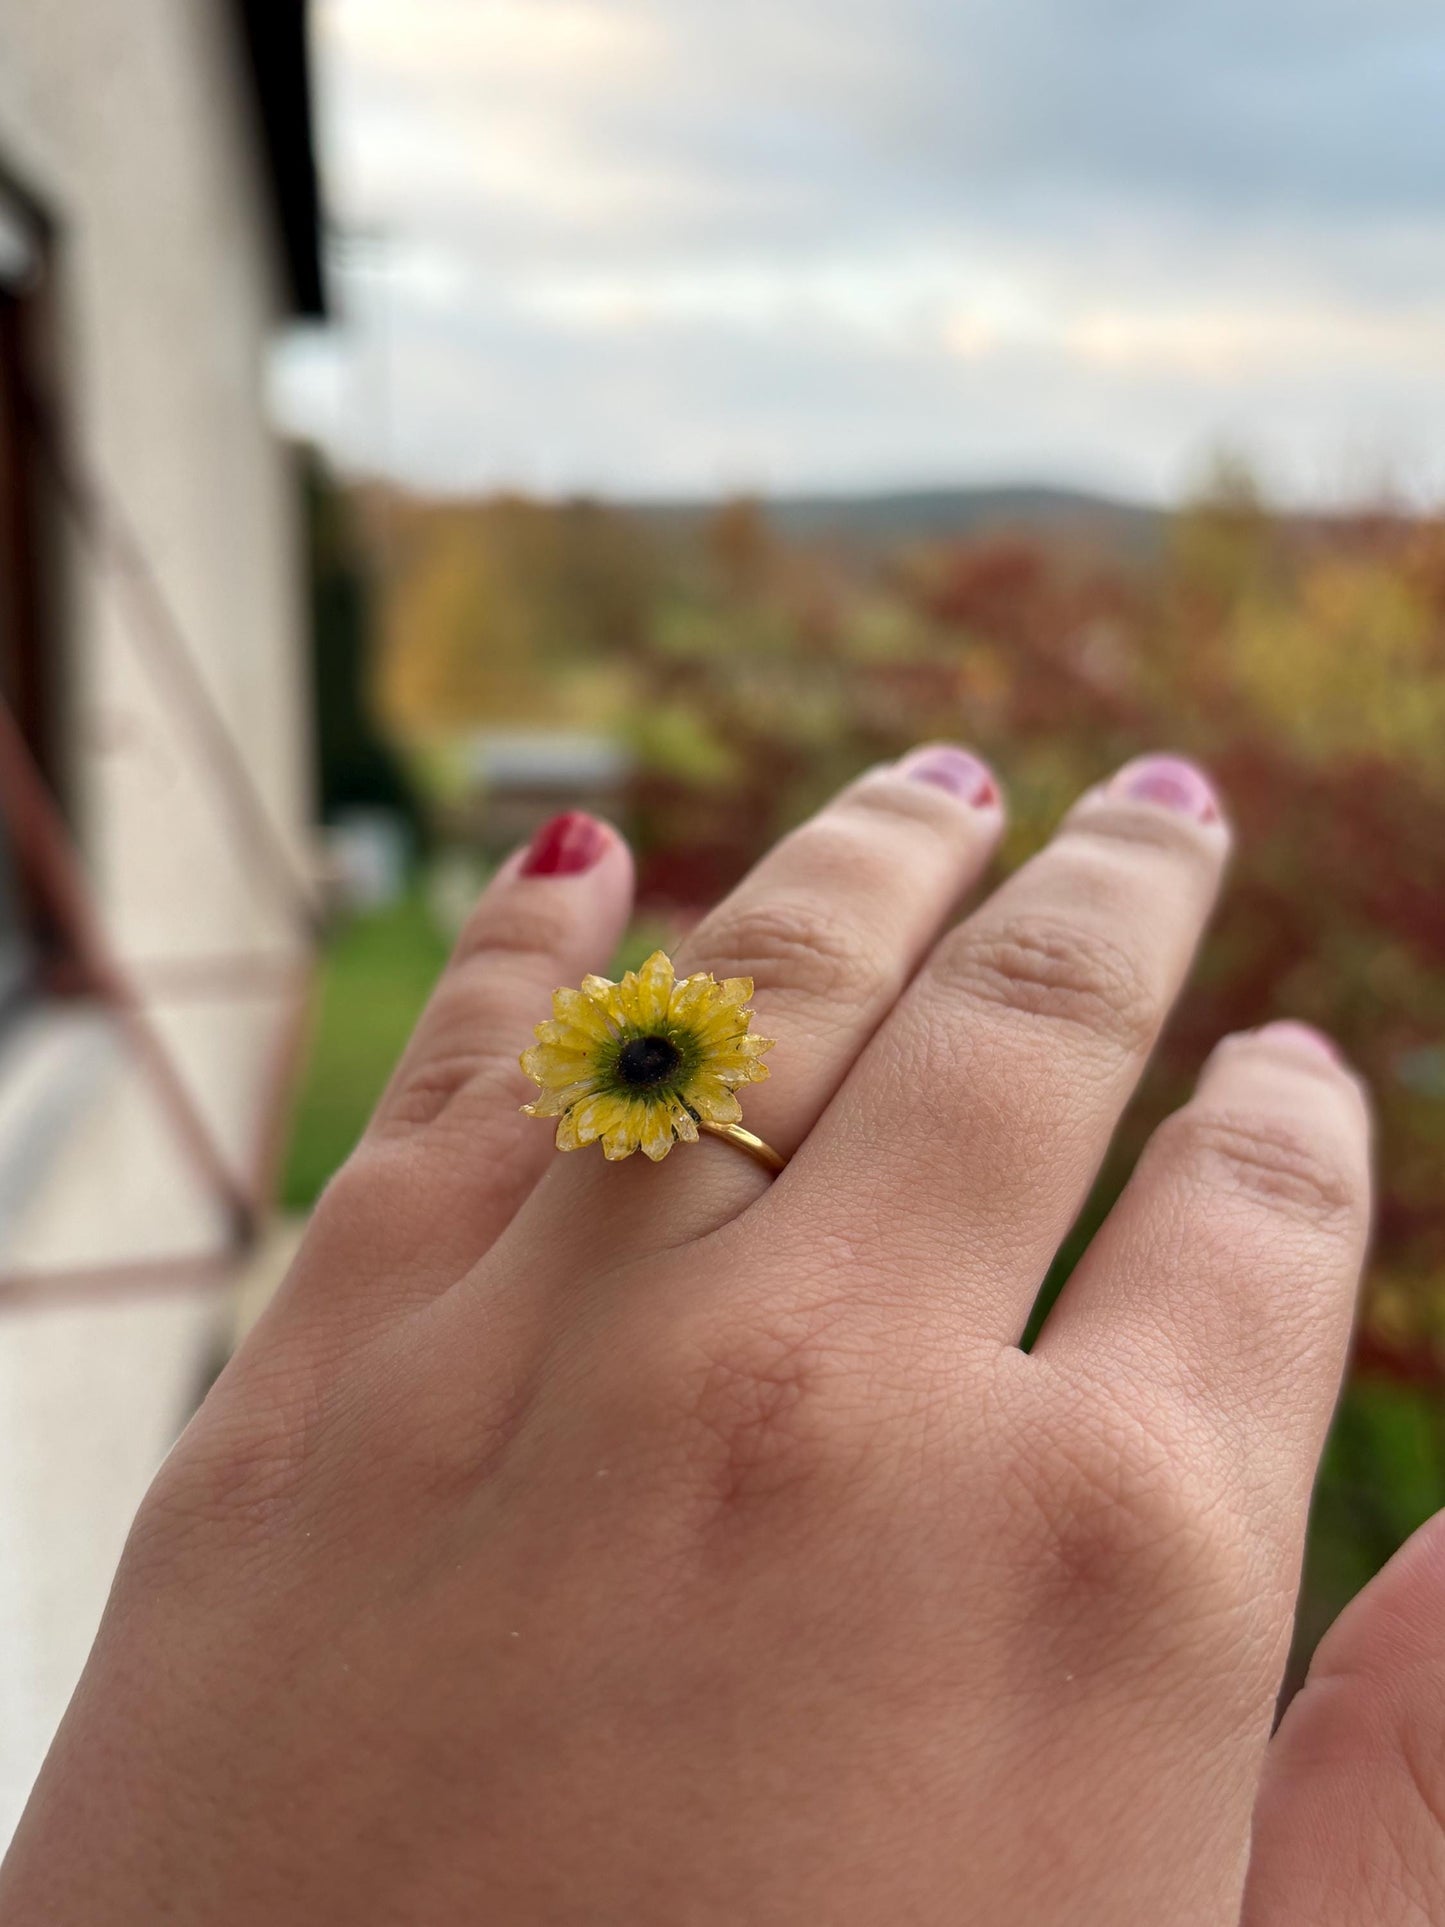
<point>376,1222</point>
<point>894,808</point>
<point>529,934</point>
<point>793,948</point>
<point>850,850</point>
<point>359,1208</point>
<point>743,1417</point>
<point>236,1475</point>
<point>469,1040</point>
<point>1053,970</point>
<point>432,1085</point>
<point>1126,1550</point>
<point>1278,1162</point>
<point>752,1408</point>
<point>1122,835</point>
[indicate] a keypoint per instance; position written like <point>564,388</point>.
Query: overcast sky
<point>657,246</point>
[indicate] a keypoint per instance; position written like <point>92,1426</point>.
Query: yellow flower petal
<point>583,1011</point>
<point>723,1023</point>
<point>574,1061</point>
<point>554,1103</point>
<point>606,1000</point>
<point>624,1134</point>
<point>591,1118</point>
<point>566,1036</point>
<point>657,1131</point>
<point>735,1075</point>
<point>740,1053</point>
<point>712,1100</point>
<point>550,1066</point>
<point>647,993</point>
<point>692,998</point>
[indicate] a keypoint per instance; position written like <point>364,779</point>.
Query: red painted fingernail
<point>565,847</point>
<point>1301,1037</point>
<point>956,770</point>
<point>1170,782</point>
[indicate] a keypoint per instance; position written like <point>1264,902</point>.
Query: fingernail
<point>1300,1037</point>
<point>956,770</point>
<point>1170,782</point>
<point>565,847</point>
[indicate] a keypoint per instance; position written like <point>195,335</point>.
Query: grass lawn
<point>374,978</point>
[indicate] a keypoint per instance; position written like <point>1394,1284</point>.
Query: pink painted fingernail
<point>565,847</point>
<point>1300,1037</point>
<point>1170,782</point>
<point>956,770</point>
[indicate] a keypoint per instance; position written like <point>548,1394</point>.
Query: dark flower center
<point>645,1062</point>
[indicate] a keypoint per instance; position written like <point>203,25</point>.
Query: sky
<point>679,247</point>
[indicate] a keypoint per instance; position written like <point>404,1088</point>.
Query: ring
<point>649,1062</point>
<point>761,1153</point>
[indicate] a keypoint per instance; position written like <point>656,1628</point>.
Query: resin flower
<point>642,1063</point>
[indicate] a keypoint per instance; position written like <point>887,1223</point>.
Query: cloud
<point>658,244</point>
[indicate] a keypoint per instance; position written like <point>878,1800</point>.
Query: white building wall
<point>132,123</point>
<point>133,126</point>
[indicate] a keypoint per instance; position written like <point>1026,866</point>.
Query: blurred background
<point>419,418</point>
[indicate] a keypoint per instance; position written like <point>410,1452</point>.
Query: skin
<point>576,1542</point>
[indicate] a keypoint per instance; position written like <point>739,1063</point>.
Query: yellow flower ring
<point>649,1062</point>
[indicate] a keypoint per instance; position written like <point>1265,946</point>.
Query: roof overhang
<point>278,63</point>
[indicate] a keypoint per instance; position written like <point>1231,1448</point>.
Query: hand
<point>589,1542</point>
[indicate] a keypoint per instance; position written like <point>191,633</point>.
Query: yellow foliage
<point>500,612</point>
<point>1347,664</point>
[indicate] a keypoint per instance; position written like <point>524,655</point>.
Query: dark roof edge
<point>274,39</point>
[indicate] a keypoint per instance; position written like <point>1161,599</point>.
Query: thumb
<point>1350,1822</point>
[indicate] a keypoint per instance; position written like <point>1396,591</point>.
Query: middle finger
<point>976,1121</point>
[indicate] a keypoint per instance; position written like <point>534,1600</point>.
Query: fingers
<point>1225,1277</point>
<point>971,1129</point>
<point>448,1157</point>
<point>1350,1822</point>
<point>830,926</point>
<point>832,923</point>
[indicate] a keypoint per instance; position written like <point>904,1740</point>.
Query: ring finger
<point>830,926</point>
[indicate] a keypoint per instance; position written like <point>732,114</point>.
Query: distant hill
<point>928,514</point>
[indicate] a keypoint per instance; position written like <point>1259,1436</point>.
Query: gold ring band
<point>755,1148</point>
